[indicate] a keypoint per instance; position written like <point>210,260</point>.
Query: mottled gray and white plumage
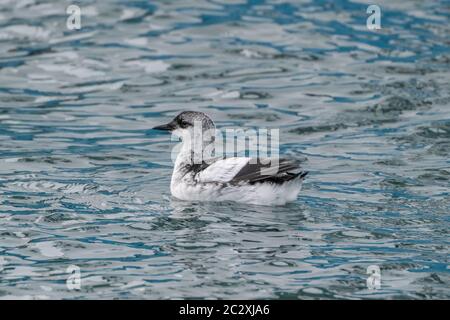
<point>197,176</point>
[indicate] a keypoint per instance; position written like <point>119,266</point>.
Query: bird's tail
<point>302,174</point>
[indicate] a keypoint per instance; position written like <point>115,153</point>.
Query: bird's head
<point>189,124</point>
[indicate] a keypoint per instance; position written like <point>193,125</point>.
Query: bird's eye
<point>184,123</point>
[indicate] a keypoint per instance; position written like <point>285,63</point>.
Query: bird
<point>198,176</point>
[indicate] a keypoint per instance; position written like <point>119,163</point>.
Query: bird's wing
<point>222,170</point>
<point>235,170</point>
<point>268,169</point>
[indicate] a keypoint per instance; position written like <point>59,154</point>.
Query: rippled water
<point>84,181</point>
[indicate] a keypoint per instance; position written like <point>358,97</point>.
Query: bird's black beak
<point>165,127</point>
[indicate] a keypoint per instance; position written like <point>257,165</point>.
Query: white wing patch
<point>223,170</point>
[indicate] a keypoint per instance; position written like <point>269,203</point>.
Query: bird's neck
<point>191,155</point>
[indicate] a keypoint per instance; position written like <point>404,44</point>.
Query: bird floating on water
<point>240,179</point>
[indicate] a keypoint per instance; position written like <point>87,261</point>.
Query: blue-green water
<point>85,182</point>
